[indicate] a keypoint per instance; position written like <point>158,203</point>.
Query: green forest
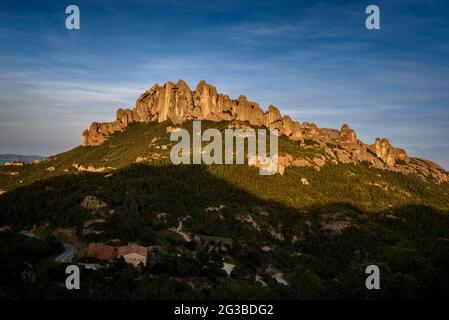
<point>320,236</point>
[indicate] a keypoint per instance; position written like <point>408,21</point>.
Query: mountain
<point>18,158</point>
<point>177,103</point>
<point>336,206</point>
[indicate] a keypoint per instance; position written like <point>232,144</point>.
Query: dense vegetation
<point>362,185</point>
<point>321,236</point>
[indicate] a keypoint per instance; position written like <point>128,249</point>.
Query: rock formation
<point>347,137</point>
<point>93,203</point>
<point>177,103</point>
<point>389,154</point>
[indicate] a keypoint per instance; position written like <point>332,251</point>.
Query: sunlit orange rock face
<point>177,103</point>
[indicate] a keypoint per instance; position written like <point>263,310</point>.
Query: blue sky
<point>315,60</point>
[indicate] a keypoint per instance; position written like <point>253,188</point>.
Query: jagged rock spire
<point>177,103</point>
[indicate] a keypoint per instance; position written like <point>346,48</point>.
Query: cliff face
<point>177,103</point>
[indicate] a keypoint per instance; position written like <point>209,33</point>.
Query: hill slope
<point>336,206</point>
<point>195,220</point>
<point>178,104</point>
<point>359,183</point>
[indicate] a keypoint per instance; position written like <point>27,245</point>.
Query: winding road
<point>67,255</point>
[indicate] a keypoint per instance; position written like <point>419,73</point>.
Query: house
<point>101,251</point>
<point>133,254</point>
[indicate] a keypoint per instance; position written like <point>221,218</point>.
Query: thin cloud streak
<point>315,62</point>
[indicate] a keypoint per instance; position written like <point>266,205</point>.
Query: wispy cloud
<point>314,61</point>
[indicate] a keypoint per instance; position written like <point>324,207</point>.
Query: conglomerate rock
<point>177,103</point>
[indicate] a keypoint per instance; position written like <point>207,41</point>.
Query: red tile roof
<point>132,248</point>
<point>101,251</point>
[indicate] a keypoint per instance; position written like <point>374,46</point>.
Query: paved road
<point>67,255</point>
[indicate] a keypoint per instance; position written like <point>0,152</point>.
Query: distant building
<point>133,254</point>
<point>19,164</point>
<point>101,251</point>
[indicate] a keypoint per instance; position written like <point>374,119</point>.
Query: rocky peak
<point>273,115</point>
<point>389,154</point>
<point>347,137</point>
<point>177,103</point>
<point>182,85</point>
